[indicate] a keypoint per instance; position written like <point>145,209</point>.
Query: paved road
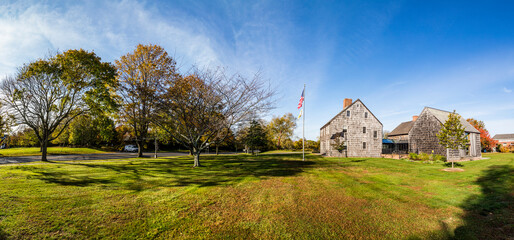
<point>99,156</point>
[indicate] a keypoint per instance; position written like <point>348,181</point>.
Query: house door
<point>472,145</point>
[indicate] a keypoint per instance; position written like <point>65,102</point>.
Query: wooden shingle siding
<point>355,136</point>
<point>423,136</point>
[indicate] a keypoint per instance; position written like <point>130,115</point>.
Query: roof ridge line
<point>440,109</point>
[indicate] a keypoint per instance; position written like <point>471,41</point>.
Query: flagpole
<point>303,125</point>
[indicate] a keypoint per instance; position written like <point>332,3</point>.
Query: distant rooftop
<point>402,129</point>
<point>509,136</point>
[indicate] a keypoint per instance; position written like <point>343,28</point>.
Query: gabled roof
<point>402,129</point>
<point>442,117</point>
<point>503,136</point>
<point>358,100</point>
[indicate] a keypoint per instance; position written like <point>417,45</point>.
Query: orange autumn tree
<point>486,141</point>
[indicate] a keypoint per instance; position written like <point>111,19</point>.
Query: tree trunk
<point>139,148</point>
<point>216,149</point>
<point>196,156</point>
<point>44,148</point>
<point>156,147</point>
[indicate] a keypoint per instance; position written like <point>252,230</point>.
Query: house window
<point>363,129</point>
<point>363,145</point>
<point>348,113</point>
<point>375,134</point>
<point>366,115</point>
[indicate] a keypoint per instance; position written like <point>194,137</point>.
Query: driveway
<point>98,156</point>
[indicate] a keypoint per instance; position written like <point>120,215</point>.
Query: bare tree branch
<point>199,109</point>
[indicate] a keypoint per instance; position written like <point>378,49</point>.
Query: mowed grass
<point>35,151</point>
<point>284,151</point>
<point>258,197</point>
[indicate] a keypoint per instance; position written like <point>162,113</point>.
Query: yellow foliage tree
<point>142,75</point>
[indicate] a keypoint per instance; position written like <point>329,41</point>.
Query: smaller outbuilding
<point>420,136</point>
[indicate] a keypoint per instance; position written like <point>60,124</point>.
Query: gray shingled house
<point>420,135</point>
<point>353,132</point>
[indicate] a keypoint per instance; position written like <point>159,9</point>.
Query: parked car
<point>130,148</point>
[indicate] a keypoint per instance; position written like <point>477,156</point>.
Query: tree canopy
<point>255,136</point>
<point>143,74</point>
<point>47,94</point>
<point>452,133</point>
<point>282,128</point>
<point>200,108</point>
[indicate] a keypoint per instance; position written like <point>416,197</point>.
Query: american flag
<point>300,104</point>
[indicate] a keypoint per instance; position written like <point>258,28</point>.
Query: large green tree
<point>142,75</point>
<point>282,128</point>
<point>88,130</point>
<point>47,94</point>
<point>452,135</point>
<point>255,137</point>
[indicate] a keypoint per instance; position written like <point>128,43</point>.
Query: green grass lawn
<point>34,151</point>
<point>258,197</point>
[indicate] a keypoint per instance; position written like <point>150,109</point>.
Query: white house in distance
<point>505,140</point>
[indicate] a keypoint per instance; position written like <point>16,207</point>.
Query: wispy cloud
<point>507,90</point>
<point>244,38</point>
<point>30,31</point>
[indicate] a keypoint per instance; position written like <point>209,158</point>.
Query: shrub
<point>504,149</point>
<point>413,156</point>
<point>423,156</point>
<point>438,157</point>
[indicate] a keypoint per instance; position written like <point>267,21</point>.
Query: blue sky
<point>397,56</point>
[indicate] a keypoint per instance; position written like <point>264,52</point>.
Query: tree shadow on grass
<point>140,174</point>
<point>455,164</point>
<point>67,179</point>
<point>359,160</point>
<point>488,215</point>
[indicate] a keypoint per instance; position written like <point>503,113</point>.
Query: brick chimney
<point>347,102</point>
<point>414,118</point>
